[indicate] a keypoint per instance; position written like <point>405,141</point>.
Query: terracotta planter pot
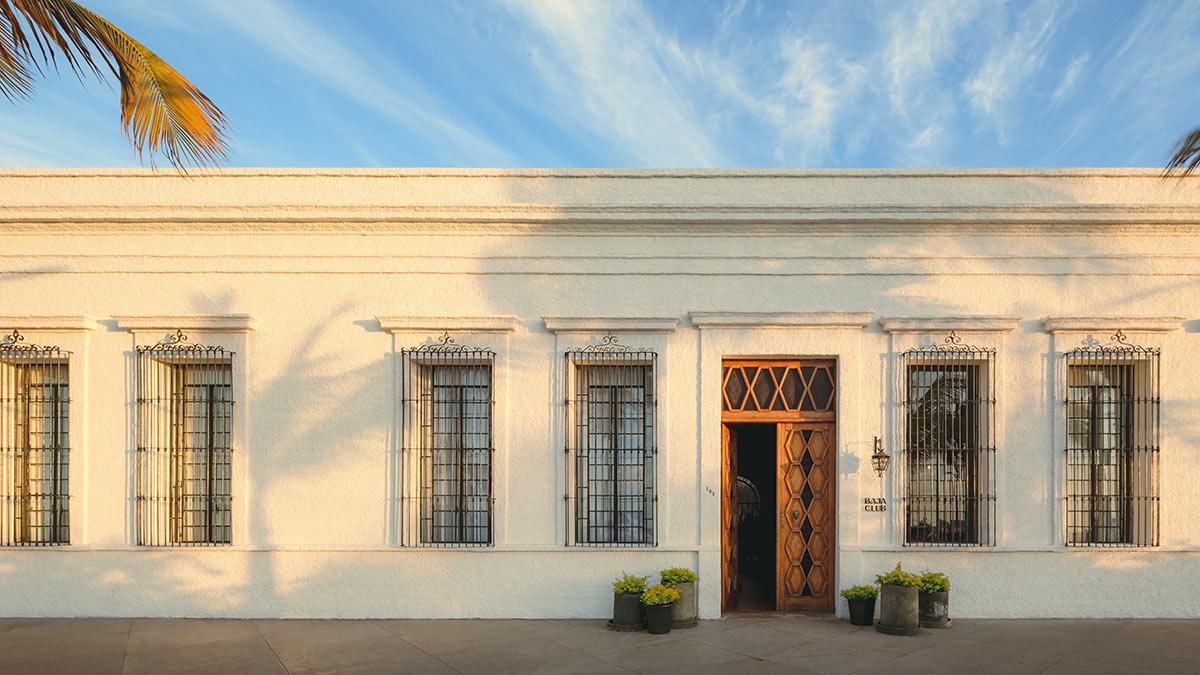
<point>862,612</point>
<point>658,618</point>
<point>628,614</point>
<point>684,610</point>
<point>935,609</point>
<point>898,610</point>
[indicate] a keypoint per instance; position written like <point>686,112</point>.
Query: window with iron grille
<point>1112,420</point>
<point>949,461</point>
<point>184,443</point>
<point>611,445</point>
<point>34,443</point>
<point>448,449</point>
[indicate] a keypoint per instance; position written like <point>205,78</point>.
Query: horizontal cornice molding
<point>564,324</point>
<point>1138,324</point>
<point>834,218</point>
<point>708,320</point>
<point>57,324</point>
<point>203,322</point>
<point>464,324</point>
<point>961,324</point>
<point>716,200</point>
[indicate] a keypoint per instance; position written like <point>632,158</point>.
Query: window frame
<point>1137,464</point>
<point>417,413</point>
<point>161,372</point>
<point>17,357</point>
<point>979,501</point>
<point>610,353</point>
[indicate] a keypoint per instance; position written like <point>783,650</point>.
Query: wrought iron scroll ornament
<point>1119,345</point>
<point>610,344</point>
<point>15,342</point>
<point>446,345</point>
<point>177,342</point>
<point>951,344</point>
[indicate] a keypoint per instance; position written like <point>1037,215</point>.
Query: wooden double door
<point>798,398</point>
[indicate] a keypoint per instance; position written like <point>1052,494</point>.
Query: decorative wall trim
<point>563,324</point>
<point>961,324</point>
<point>1141,324</point>
<point>706,320</point>
<point>684,201</point>
<point>459,324</point>
<point>232,323</point>
<point>48,323</point>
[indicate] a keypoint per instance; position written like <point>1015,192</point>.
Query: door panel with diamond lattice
<point>805,541</point>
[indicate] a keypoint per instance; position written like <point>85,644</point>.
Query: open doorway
<point>778,484</point>
<point>755,445</point>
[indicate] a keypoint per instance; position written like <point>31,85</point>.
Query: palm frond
<point>161,111</point>
<point>1186,157</point>
<point>16,81</point>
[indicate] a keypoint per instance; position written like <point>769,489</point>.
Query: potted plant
<point>861,599</point>
<point>683,612</point>
<point>658,601</point>
<point>627,606</point>
<point>934,600</point>
<point>898,603</point>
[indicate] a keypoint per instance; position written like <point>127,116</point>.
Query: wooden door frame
<point>777,417</point>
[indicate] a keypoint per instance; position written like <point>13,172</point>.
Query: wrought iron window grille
<point>611,450</point>
<point>948,452</point>
<point>34,443</point>
<point>1112,444</point>
<point>184,424</point>
<point>448,448</point>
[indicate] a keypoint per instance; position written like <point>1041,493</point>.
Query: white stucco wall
<point>314,258</point>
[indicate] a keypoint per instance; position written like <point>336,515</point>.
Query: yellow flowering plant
<point>659,595</point>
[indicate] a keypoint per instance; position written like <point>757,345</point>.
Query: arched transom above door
<point>778,387</point>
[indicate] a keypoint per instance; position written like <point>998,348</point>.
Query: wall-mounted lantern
<point>880,459</point>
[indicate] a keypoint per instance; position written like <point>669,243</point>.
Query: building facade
<point>483,393</point>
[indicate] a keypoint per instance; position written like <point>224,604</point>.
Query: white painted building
<point>409,385</point>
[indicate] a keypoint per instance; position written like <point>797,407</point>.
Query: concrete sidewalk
<point>772,644</point>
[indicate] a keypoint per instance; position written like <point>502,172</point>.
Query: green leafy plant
<point>630,584</point>
<point>898,577</point>
<point>860,592</point>
<point>678,575</point>
<point>934,582</point>
<point>659,595</point>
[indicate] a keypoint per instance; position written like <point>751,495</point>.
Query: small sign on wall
<point>875,504</point>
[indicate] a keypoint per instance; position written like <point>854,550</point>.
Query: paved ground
<point>776,644</point>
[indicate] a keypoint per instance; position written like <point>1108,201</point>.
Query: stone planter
<point>862,611</point>
<point>684,610</point>
<point>898,610</point>
<point>628,614</point>
<point>658,618</point>
<point>935,609</point>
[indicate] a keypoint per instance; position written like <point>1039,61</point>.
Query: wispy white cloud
<point>1070,78</point>
<point>399,96</point>
<point>1011,63</point>
<point>1161,50</point>
<point>922,40</point>
<point>620,76</point>
<point>816,89</point>
<point>923,43</point>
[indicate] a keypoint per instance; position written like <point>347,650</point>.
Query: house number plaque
<point>876,504</point>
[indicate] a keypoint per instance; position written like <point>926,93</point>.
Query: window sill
<point>1022,549</point>
<point>363,549</point>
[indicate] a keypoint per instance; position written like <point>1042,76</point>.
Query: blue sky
<point>675,83</point>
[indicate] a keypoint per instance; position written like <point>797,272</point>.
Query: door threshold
<point>769,613</point>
